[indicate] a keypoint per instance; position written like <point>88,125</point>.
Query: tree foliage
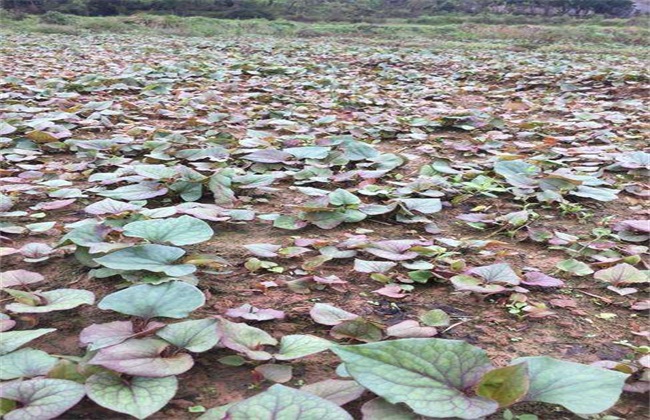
<point>322,9</point>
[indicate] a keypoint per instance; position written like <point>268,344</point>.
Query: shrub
<point>56,18</point>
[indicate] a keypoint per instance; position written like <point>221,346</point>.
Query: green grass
<point>514,32</point>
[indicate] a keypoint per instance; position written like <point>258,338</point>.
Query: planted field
<point>322,228</point>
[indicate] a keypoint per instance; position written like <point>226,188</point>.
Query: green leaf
<point>281,402</point>
<point>497,273</point>
<point>506,385</point>
<point>380,409</point>
<point>196,336</point>
<point>25,363</point>
<point>580,388</point>
<point>245,339</point>
<point>141,191</point>
<point>138,396</point>
<point>575,267</point>
<point>435,318</point>
<point>326,314</point>
<point>358,329</point>
<point>56,300</point>
<point>288,223</point>
<point>622,274</point>
<point>341,197</point>
<point>429,375</point>
<point>423,205</point>
<point>366,266</point>
<point>338,391</point>
<point>11,340</point>
<point>184,230</point>
<point>296,346</point>
<point>155,258</point>
<point>41,398</point>
<point>174,299</point>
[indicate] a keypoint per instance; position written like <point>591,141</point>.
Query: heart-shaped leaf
<point>365,266</point>
<point>245,339</point>
<point>141,191</point>
<point>330,315</point>
<point>143,357</point>
<point>281,402</point>
<point>341,197</point>
<point>338,391</point>
<point>196,335</point>
<point>580,388</point>
<point>505,385</point>
<point>357,329</point>
<point>56,300</point>
<point>138,396</point>
<point>497,273</point>
<point>410,329</point>
<point>275,373</point>
<point>184,230</point>
<point>296,346</point>
<point>174,299</point>
<point>150,257</point>
<point>435,318</point>
<point>623,273</point>
<point>98,336</point>
<point>252,313</point>
<point>11,340</point>
<point>19,278</point>
<point>110,206</point>
<point>25,363</point>
<point>575,267</point>
<point>380,409</point>
<point>41,398</point>
<point>424,373</point>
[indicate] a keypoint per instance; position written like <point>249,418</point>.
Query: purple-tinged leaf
<point>143,357</point>
<point>141,191</point>
<point>539,279</point>
<point>263,250</point>
<point>19,278</point>
<point>325,314</point>
<point>35,252</point>
<point>41,398</point>
<point>275,373</point>
<point>252,313</point>
<point>245,339</point>
<point>110,206</point>
<point>623,273</point>
<point>471,284</point>
<point>340,392</point>
<point>410,329</point>
<point>392,291</point>
<point>268,156</point>
<point>394,250</point>
<point>98,336</point>
<point>365,266</point>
